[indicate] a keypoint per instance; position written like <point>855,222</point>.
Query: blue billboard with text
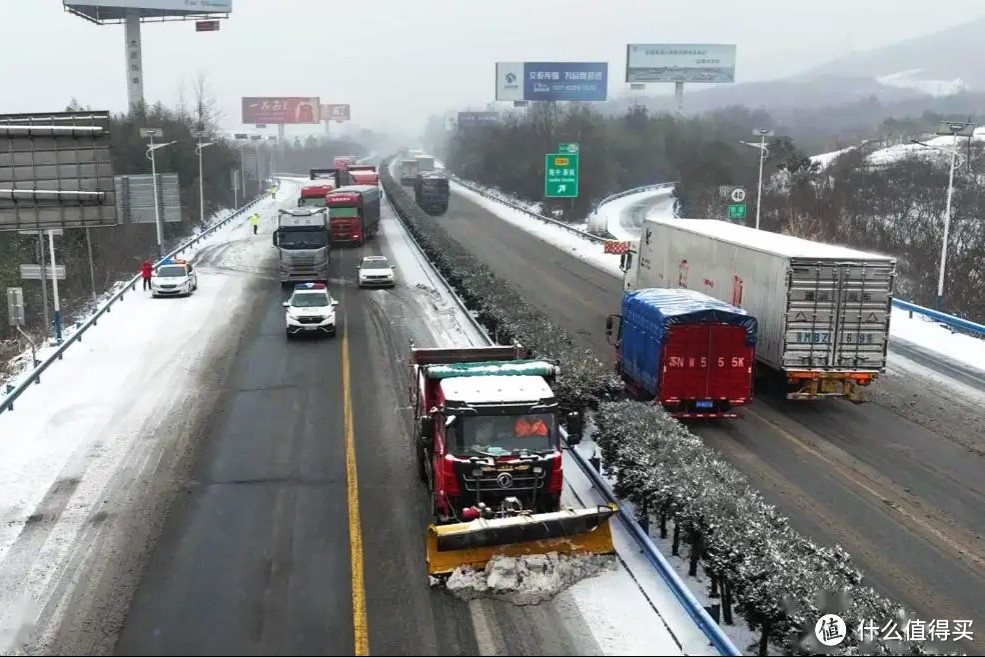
<point>571,81</point>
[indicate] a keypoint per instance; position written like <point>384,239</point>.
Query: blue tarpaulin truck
<point>685,350</point>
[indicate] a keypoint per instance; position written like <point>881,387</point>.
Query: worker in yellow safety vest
<point>255,222</point>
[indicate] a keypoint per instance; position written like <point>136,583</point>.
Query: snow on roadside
<point>87,442</point>
<point>568,242</point>
<point>527,580</point>
<point>934,336</point>
<point>614,214</point>
<point>21,365</point>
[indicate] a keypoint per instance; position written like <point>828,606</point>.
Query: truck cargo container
<point>685,350</point>
<point>408,171</point>
<point>354,213</point>
<point>431,192</point>
<point>363,174</point>
<point>425,163</point>
<point>823,310</point>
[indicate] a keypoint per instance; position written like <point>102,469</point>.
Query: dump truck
<point>431,192</point>
<point>408,171</point>
<point>822,310</point>
<point>685,350</point>
<point>488,443</point>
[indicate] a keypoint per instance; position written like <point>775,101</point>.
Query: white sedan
<point>376,271</point>
<point>173,278</point>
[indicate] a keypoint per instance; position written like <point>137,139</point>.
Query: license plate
<point>704,404</point>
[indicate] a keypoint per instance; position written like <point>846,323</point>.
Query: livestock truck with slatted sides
<point>685,350</point>
<point>822,310</point>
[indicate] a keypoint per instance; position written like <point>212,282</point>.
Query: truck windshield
<point>343,213</point>
<point>312,202</point>
<point>303,239</point>
<point>495,435</point>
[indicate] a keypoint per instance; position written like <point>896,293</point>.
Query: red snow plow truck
<point>489,450</point>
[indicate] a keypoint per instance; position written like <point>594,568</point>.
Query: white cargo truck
<point>408,171</point>
<point>425,163</point>
<point>823,310</point>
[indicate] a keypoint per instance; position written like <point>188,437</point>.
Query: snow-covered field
<point>88,439</point>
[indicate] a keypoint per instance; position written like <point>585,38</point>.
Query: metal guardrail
<point>510,204</point>
<point>943,318</point>
<point>695,610</point>
<point>7,404</point>
<point>634,190</point>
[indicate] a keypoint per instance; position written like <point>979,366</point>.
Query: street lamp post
<point>954,129</point>
<point>201,185</point>
<point>151,133</point>
<point>763,133</point>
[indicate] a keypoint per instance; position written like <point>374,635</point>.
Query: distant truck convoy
<point>685,350</point>
<point>354,213</point>
<point>431,192</point>
<point>304,245</point>
<point>408,171</point>
<point>822,310</point>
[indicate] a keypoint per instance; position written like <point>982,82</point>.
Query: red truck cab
<point>313,194</point>
<point>354,213</point>
<point>364,174</point>
<point>488,430</point>
<point>686,350</point>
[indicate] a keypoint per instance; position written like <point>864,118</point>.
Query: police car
<point>310,310</point>
<point>173,278</point>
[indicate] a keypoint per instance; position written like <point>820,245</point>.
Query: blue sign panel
<point>573,81</point>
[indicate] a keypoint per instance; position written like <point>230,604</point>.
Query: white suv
<point>376,271</point>
<point>311,309</point>
<point>173,278</point>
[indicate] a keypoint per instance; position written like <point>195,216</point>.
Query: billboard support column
<point>679,95</point>
<point>54,287</point>
<point>134,59</point>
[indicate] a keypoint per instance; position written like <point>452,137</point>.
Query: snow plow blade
<point>474,543</point>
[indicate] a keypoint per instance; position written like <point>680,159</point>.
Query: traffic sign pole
<point>560,175</point>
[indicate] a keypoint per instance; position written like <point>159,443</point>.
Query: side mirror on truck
<point>575,426</point>
<point>275,236</point>
<point>610,322</point>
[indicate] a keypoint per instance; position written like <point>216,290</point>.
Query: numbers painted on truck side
<point>702,362</point>
<point>858,338</point>
<point>814,337</point>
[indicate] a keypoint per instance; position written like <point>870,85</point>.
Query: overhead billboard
<point>116,11</point>
<point>680,62</point>
<point>335,112</point>
<point>56,171</point>
<point>552,81</point>
<point>468,120</point>
<point>282,110</point>
<point>186,6</point>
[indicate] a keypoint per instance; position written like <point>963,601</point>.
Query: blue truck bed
<point>650,313</point>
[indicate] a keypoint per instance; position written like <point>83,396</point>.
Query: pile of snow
<point>527,580</point>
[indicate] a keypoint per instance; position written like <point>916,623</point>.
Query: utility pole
<point>763,133</point>
<point>201,184</point>
<point>151,133</point>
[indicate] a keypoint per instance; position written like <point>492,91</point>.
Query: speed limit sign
<point>738,195</point>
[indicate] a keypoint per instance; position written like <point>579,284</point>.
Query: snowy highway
<point>895,481</point>
<point>178,484</point>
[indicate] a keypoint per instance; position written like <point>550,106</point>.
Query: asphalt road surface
<point>899,481</point>
<point>262,556</point>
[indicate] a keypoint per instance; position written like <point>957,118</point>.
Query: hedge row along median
<point>767,571</point>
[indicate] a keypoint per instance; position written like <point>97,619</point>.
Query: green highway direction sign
<point>561,175</point>
<point>571,148</point>
<point>737,211</point>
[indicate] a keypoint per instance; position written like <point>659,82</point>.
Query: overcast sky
<point>397,61</point>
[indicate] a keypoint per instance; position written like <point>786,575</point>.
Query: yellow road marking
<point>359,626</point>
